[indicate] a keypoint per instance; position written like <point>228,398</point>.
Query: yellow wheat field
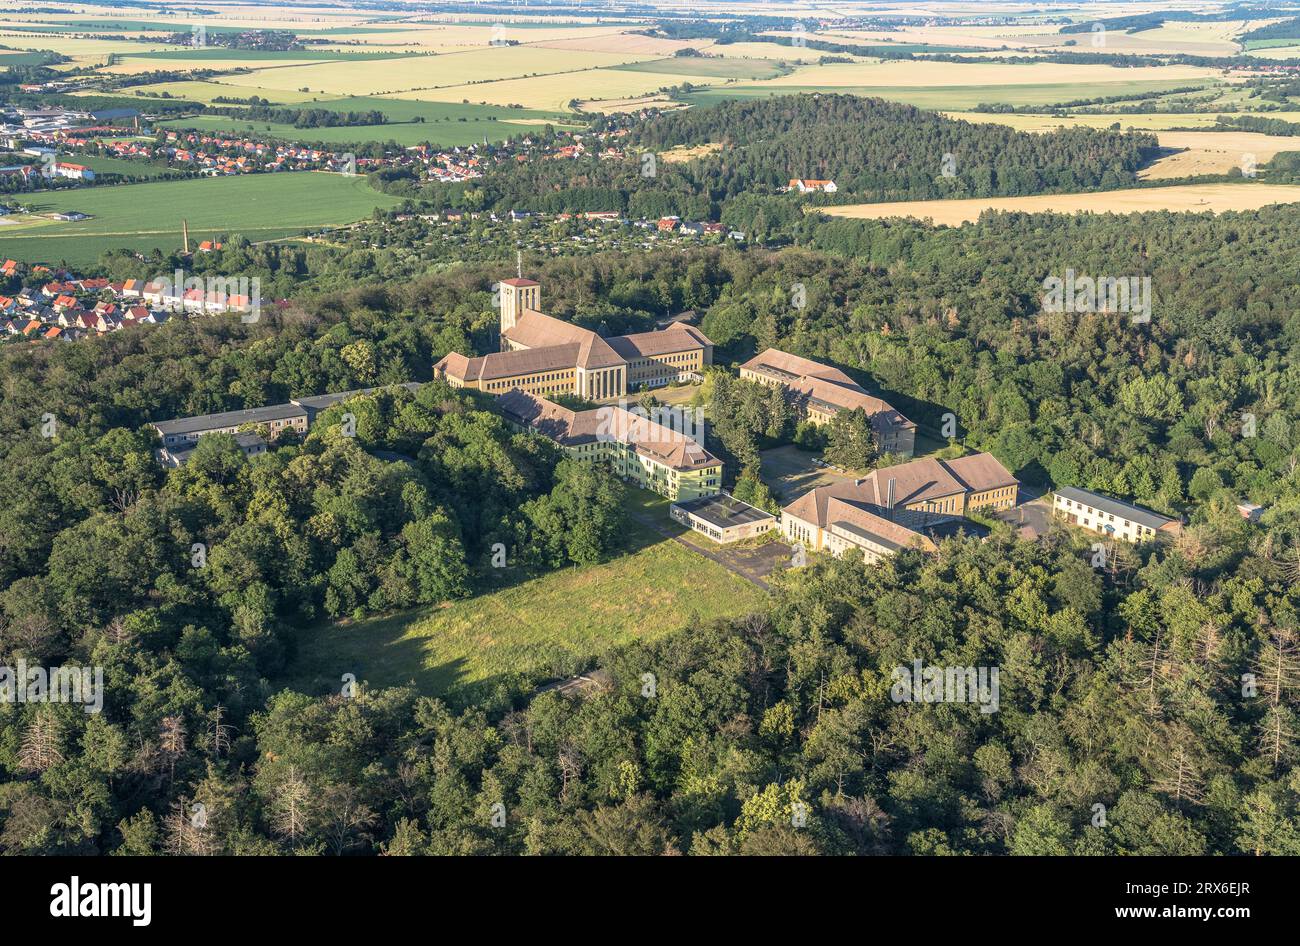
<point>1189,197</point>
<point>421,73</point>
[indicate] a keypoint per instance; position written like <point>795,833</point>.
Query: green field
<point>546,627</point>
<point>702,66</point>
<point>443,123</point>
<point>115,166</point>
<point>948,97</point>
<point>144,216</point>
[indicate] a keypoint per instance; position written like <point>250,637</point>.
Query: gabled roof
<point>862,524</point>
<point>914,482</point>
<point>535,330</point>
<point>780,362</point>
<point>571,428</point>
<point>254,415</point>
<point>674,338</point>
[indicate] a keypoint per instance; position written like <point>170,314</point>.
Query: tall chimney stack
<point>889,497</point>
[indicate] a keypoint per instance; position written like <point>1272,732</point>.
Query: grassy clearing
<point>144,216</point>
<point>541,628</point>
<point>1189,197</point>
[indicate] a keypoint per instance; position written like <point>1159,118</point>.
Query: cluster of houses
<point>227,155</point>
<point>68,307</point>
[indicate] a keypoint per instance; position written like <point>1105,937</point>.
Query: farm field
<point>557,91</point>
<point>1095,79</point>
<point>82,51</point>
<point>1215,152</point>
<point>205,91</point>
<point>958,98</point>
<point>144,216</point>
<point>1216,198</point>
<point>532,629</point>
<point>446,133</point>
<point>409,73</point>
<point>730,68</point>
<point>1199,152</point>
<point>1158,121</point>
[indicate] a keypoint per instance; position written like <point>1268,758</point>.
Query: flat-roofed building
<point>275,420</point>
<point>723,518</point>
<point>319,403</point>
<point>640,451</point>
<point>544,355</point>
<point>818,392</point>
<point>1112,517</point>
<point>893,508</point>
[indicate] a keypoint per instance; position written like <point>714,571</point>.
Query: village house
<point>76,172</point>
<point>808,186</point>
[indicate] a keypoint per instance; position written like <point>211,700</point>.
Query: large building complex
<point>638,449</point>
<point>1110,517</point>
<point>548,356</point>
<point>894,507</point>
<point>819,392</point>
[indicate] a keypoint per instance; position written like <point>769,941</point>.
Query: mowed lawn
<point>540,629</point>
<point>148,215</point>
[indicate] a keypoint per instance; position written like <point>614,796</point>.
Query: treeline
<point>1265,126</point>
<point>304,117</point>
<point>1283,29</point>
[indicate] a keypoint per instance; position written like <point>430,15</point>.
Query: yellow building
<point>819,392</point>
<point>640,451</point>
<point>883,512</point>
<point>547,356</point>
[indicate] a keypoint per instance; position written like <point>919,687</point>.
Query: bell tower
<point>516,296</point>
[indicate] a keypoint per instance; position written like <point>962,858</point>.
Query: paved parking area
<point>791,472</point>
